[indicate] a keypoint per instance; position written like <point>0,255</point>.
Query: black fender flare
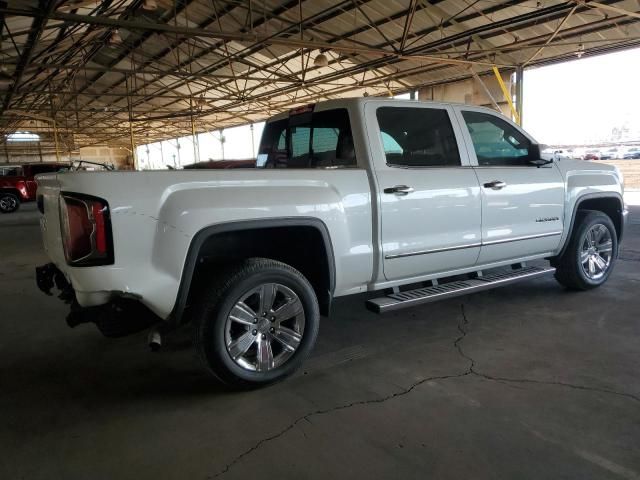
<point>199,238</point>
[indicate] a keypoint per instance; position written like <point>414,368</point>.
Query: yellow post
<point>506,94</point>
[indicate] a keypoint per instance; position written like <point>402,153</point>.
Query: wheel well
<point>10,190</point>
<point>610,206</point>
<point>303,247</point>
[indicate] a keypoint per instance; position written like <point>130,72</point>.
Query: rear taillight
<point>86,230</point>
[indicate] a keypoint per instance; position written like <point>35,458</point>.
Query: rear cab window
<point>11,171</point>
<point>309,140</point>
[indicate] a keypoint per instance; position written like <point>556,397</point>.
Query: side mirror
<point>535,155</point>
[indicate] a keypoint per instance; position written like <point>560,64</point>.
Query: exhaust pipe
<point>155,340</point>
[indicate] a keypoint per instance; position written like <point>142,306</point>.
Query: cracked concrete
<point>471,370</point>
<point>528,381</point>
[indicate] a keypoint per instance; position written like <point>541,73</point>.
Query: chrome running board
<point>419,296</point>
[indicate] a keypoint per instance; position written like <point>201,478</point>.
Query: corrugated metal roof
<point>96,65</point>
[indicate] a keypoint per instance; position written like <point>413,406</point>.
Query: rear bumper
<point>48,276</point>
<point>116,318</point>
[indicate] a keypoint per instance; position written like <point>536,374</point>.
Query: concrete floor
<point>528,381</point>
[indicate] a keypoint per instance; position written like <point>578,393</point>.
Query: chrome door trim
<point>473,245</point>
<point>524,237</point>
<point>434,250</point>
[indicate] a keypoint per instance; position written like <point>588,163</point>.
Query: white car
<point>347,196</point>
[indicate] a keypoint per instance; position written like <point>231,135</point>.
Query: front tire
<point>592,251</point>
<point>9,202</point>
<point>256,323</point>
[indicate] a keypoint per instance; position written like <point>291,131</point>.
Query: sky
<point>582,101</point>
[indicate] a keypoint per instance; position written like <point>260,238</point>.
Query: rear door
<point>429,197</point>
<point>522,204</point>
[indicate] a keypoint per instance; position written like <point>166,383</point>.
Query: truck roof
<point>348,102</point>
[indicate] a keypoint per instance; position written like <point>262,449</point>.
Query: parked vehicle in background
<point>418,201</point>
<point>592,155</point>
<point>561,155</point>
<point>555,154</point>
<point>17,183</point>
<point>632,153</point>
<point>609,154</point>
<point>575,154</point>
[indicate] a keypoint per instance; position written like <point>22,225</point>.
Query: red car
<point>591,156</point>
<point>17,183</point>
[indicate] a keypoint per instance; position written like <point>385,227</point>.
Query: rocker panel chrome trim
<point>473,245</point>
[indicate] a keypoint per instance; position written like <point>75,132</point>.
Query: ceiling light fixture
<point>149,5</point>
<point>321,61</point>
<point>115,38</point>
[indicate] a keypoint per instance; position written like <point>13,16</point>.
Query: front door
<point>429,195</point>
<point>522,204</point>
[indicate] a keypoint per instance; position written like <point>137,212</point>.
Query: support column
<point>55,125</point>
<point>134,154</point>
<point>196,147</point>
<point>519,91</point>
<point>253,148</point>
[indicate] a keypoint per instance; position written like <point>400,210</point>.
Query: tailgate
<point>48,197</point>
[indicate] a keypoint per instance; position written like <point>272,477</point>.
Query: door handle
<point>399,190</point>
<point>495,185</point>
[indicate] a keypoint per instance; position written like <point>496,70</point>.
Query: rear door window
<point>417,137</point>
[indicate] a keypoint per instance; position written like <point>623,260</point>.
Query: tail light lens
<point>86,230</point>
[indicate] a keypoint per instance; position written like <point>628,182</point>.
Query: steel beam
<point>39,22</point>
<point>612,8</point>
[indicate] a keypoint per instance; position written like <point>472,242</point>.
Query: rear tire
<point>256,323</point>
<point>591,253</point>
<point>9,202</point>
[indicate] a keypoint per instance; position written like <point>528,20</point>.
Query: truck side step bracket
<point>419,296</point>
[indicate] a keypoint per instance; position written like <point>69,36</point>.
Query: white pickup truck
<point>417,201</point>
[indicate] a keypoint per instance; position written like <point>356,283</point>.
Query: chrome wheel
<point>8,203</point>
<point>265,327</point>
<point>596,252</point>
